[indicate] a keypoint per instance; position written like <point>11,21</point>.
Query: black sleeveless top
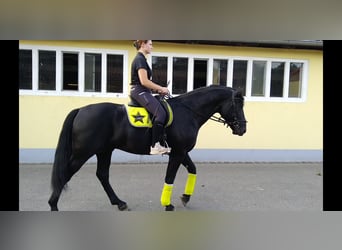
<point>139,62</point>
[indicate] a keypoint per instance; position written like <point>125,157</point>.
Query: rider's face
<point>147,47</point>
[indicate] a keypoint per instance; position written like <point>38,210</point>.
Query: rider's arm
<point>142,73</point>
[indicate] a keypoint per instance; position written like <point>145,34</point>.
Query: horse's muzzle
<point>238,128</point>
<point>239,132</point>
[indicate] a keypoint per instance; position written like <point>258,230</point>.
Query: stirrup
<point>167,147</point>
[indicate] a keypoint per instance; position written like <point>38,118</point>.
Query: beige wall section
<point>41,118</point>
<point>271,125</point>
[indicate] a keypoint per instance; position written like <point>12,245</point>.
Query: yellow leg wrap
<point>165,198</point>
<point>190,184</point>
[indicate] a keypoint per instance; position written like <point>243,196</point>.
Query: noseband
<point>234,123</point>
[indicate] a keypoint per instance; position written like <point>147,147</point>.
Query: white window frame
<point>230,59</point>
<point>59,71</point>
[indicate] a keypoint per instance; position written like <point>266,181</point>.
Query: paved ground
<point>220,187</point>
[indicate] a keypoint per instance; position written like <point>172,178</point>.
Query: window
<point>200,73</point>
<point>296,79</point>
<point>220,72</point>
<point>179,75</point>
<point>257,78</point>
<point>277,79</point>
<point>69,71</point>
<point>47,70</point>
<point>159,70</point>
<point>25,69</point>
<point>240,75</point>
<point>114,73</point>
<point>92,72</point>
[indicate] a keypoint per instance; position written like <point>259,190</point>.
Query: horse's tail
<point>63,153</point>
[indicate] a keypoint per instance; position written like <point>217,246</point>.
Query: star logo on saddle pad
<point>138,117</point>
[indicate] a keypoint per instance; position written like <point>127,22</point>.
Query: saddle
<point>138,116</point>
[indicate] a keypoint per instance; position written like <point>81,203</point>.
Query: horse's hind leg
<point>73,167</point>
<point>191,180</point>
<point>102,173</point>
<point>54,199</point>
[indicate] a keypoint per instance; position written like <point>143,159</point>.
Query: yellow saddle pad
<point>139,116</point>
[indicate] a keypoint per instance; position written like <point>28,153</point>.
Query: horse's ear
<point>238,94</point>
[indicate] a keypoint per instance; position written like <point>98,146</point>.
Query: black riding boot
<point>157,132</point>
<point>157,140</point>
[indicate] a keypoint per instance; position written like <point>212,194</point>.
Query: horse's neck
<point>206,104</point>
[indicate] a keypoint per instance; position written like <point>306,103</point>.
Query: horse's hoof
<point>185,199</point>
<point>122,206</point>
<point>169,208</point>
<point>54,209</point>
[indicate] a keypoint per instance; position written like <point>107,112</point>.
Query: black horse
<point>98,129</point>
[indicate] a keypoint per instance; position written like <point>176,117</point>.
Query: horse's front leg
<point>171,171</point>
<point>191,180</point>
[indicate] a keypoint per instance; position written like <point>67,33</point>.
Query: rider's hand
<point>164,91</point>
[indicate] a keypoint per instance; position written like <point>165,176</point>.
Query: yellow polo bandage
<point>190,184</point>
<point>165,198</point>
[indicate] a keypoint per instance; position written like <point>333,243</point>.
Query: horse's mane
<point>204,90</point>
<point>209,92</point>
<point>200,90</point>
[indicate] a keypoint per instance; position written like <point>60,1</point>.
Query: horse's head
<point>233,114</point>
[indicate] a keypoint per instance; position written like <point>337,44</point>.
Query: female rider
<point>141,91</point>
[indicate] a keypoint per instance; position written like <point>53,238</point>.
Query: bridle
<point>232,124</point>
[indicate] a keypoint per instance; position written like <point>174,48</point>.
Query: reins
<point>218,119</point>
<point>221,120</point>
